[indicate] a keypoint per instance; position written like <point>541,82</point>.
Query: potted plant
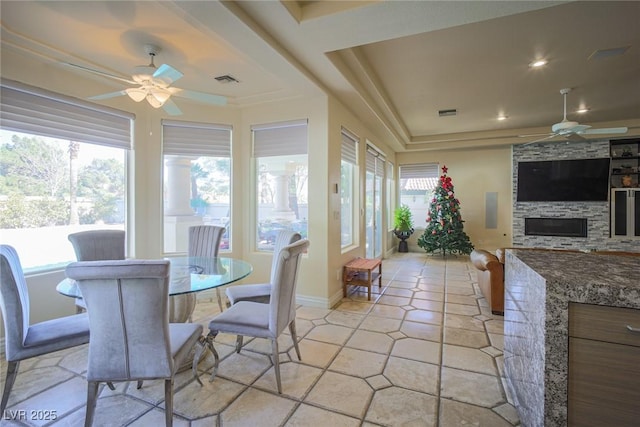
<point>403,226</point>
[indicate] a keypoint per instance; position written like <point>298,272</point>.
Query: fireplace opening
<point>562,227</point>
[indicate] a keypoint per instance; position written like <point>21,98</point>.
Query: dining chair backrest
<point>95,245</point>
<point>14,301</point>
<point>127,302</point>
<point>204,240</point>
<point>283,238</point>
<point>282,309</point>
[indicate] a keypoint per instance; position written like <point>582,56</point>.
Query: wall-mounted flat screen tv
<point>563,180</point>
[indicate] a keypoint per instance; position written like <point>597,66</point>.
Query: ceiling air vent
<point>607,53</point>
<point>445,113</point>
<point>227,79</point>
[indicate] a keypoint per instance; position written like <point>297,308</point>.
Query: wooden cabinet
<point>604,366</point>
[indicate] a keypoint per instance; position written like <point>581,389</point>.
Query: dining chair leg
<point>196,358</point>
<point>168,402</point>
<point>294,337</point>
<point>12,373</point>
<point>111,386</point>
<point>239,340</point>
<point>92,397</point>
<point>139,385</point>
<point>208,341</point>
<point>276,362</point>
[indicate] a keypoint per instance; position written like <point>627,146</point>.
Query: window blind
<point>196,139</point>
<point>37,111</point>
<point>375,162</point>
<point>349,149</point>
<point>422,170</point>
<point>280,139</point>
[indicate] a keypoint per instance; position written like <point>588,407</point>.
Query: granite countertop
<point>587,277</point>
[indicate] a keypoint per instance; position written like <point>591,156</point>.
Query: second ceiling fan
<point>570,130</point>
<point>154,85</point>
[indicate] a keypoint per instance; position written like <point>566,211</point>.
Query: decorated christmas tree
<point>444,230</point>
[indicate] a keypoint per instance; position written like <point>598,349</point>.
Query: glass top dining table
<point>188,275</point>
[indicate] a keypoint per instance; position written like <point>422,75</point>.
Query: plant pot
<point>403,235</point>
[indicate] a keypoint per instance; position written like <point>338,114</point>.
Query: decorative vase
<point>403,235</point>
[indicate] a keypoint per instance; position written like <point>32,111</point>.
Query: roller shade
<point>280,139</point>
<point>37,111</point>
<point>196,139</point>
<point>349,149</point>
<point>423,170</point>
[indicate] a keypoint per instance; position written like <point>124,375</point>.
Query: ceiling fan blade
<point>574,137</point>
<point>109,95</point>
<point>100,73</point>
<point>606,130</point>
<point>531,135</point>
<point>167,74</point>
<point>207,98</point>
<point>550,136</point>
<point>171,108</point>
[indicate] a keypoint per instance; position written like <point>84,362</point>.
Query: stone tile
<point>466,310</point>
<point>464,322</point>
<point>402,284</point>
<point>296,379</point>
<point>245,367</point>
<point>378,382</point>
<point>358,363</point>
<point>497,341</point>
<point>255,407</point>
<point>462,299</point>
<point>354,307</point>
<point>393,300</point>
<point>155,417</point>
<point>432,296</point>
<point>30,380</point>
<point>454,414</point>
<point>344,318</point>
<point>342,393</point>
<point>398,292</point>
<point>464,337</point>
<point>418,376</point>
<point>315,353</point>
<point>396,406</point>
<point>420,350</point>
<point>333,334</point>
<point>468,359</point>
<point>495,326</point>
<point>422,331</point>
<point>371,341</point>
<point>307,415</point>
<point>388,311</point>
<point>424,316</point>
<point>380,324</point>
<point>470,387</point>
<point>423,304</point>
<point>195,401</point>
<point>311,313</point>
<point>508,412</point>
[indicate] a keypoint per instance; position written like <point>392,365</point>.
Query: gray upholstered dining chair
<point>264,320</point>
<point>96,245</point>
<point>261,292</point>
<point>204,241</point>
<point>22,339</point>
<point>131,337</point>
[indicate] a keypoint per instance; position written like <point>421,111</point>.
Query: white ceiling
<point>393,63</point>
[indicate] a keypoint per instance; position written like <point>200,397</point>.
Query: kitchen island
<point>540,288</point>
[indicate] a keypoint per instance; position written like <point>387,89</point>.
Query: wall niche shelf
<point>625,163</point>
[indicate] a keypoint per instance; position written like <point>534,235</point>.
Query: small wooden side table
<point>360,272</point>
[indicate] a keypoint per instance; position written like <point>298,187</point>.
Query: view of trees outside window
<point>282,197</point>
<point>207,194</point>
<point>417,184</point>
<point>347,174</point>
<point>50,188</point>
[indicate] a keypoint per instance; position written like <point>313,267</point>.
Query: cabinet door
<point>625,212</point>
<point>604,384</point>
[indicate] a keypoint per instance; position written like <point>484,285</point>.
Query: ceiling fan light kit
<point>155,85</point>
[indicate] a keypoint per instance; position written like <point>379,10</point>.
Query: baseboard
<point>318,302</point>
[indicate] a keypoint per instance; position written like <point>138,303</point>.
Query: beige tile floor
<point>426,351</point>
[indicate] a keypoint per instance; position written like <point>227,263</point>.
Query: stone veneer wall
<point>597,213</point>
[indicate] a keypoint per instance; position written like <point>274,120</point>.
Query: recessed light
<point>538,63</point>
<point>502,117</point>
<point>582,110</point>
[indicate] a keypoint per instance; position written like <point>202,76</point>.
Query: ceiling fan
<point>154,85</point>
<point>572,131</point>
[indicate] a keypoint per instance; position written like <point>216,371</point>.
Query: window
<point>280,152</point>
<point>375,165</point>
<point>62,170</point>
<point>197,180</point>
<point>391,192</point>
<point>348,188</point>
<point>417,183</point>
